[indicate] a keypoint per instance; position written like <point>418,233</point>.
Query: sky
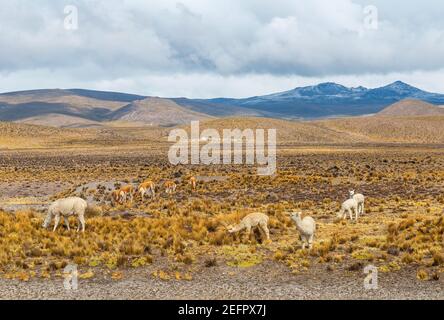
<point>219,48</point>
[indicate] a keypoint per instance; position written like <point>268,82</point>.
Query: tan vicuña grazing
<point>193,183</point>
<point>121,195</point>
<point>147,187</point>
<point>117,196</point>
<point>128,191</point>
<point>252,220</point>
<point>170,187</point>
<point>65,208</point>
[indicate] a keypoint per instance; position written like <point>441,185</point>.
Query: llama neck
<point>298,221</point>
<point>239,227</point>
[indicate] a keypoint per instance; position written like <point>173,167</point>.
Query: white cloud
<point>218,48</point>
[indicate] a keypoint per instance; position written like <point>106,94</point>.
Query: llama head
<point>296,215</point>
<point>230,228</point>
<point>47,220</point>
<point>351,193</point>
<point>233,228</point>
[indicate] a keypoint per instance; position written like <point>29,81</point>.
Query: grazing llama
<point>65,208</point>
<point>170,187</point>
<point>360,199</point>
<point>193,183</point>
<point>252,220</point>
<point>147,187</point>
<point>349,206</point>
<point>306,228</point>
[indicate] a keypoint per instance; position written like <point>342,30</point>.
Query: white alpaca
<point>306,228</point>
<point>252,220</point>
<point>349,206</point>
<point>360,199</point>
<point>65,208</point>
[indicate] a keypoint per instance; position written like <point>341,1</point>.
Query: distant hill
<point>61,94</point>
<point>412,107</point>
<point>325,100</point>
<point>156,112</point>
<point>61,121</point>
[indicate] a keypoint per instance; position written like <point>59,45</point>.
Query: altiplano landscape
<point>210,157</point>
<point>177,246</point>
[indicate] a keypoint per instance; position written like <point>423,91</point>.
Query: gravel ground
<point>267,281</point>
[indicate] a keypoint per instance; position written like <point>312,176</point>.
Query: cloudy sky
<point>213,48</point>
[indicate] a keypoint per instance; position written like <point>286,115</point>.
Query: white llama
<point>306,228</point>
<point>65,208</point>
<point>360,199</point>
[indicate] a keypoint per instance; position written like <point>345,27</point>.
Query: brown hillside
<point>404,129</point>
<point>345,131</point>
<point>287,131</point>
<point>25,136</point>
<point>411,107</point>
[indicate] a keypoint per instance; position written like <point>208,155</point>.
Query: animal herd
<point>74,206</point>
<point>146,188</point>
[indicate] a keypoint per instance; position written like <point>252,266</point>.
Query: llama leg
<point>350,214</point>
<point>264,228</point>
<point>67,223</point>
<point>310,242</point>
<point>362,208</point>
<point>56,222</point>
<point>303,242</point>
<point>81,222</point>
<point>267,233</point>
<point>249,231</point>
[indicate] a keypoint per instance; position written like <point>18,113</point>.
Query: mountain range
<point>89,108</point>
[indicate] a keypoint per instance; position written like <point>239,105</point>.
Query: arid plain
<point>177,246</point>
